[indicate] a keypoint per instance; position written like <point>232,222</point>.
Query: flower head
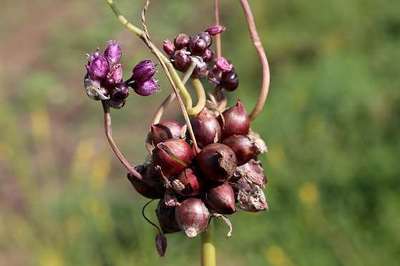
<point>143,71</point>
<point>97,67</point>
<point>113,52</point>
<point>146,88</point>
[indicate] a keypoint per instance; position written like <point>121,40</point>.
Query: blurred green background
<point>331,124</point>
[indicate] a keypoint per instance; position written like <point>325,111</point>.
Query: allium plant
<point>206,168</point>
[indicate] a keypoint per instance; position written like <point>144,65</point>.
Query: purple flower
<point>113,52</point>
<point>147,87</point>
<point>97,66</point>
<point>223,64</point>
<point>168,47</point>
<point>215,30</point>
<point>114,76</point>
<point>143,71</point>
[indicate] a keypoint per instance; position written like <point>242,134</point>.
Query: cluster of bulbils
<point>224,176</point>
<point>184,49</point>
<point>220,175</point>
<point>104,77</point>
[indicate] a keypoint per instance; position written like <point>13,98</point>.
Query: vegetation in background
<point>331,124</point>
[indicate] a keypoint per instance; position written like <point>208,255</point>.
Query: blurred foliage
<point>331,123</point>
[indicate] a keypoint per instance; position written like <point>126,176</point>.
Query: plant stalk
<point>113,145</point>
<point>208,257</point>
<point>262,97</point>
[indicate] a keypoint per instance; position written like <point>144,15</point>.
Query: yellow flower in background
<point>308,194</point>
<point>40,124</point>
<point>83,156</point>
<point>101,167</point>
<point>277,257</point>
<point>277,158</point>
<point>50,257</point>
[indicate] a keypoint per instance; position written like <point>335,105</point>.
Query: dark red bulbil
<point>217,162</point>
<point>151,185</point>
<point>197,45</point>
<point>181,41</point>
<point>221,199</point>
<point>243,147</point>
<point>165,130</point>
<point>206,128</point>
<point>181,60</point>
<point>166,218</point>
<point>192,216</point>
<point>229,81</point>
<point>235,121</point>
<point>187,183</point>
<point>173,156</point>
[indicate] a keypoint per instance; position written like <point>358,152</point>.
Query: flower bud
<point>215,75</point>
<point>166,218</point>
<point>206,37</point>
<point>217,162</point>
<point>113,52</point>
<point>252,172</point>
<point>181,41</point>
<point>187,183</point>
<point>143,71</point>
<point>221,199</point>
<point>245,147</point>
<point>181,60</point>
<point>215,30</point>
<point>146,88</point>
<point>192,216</point>
<point>250,197</point>
<point>120,92</point>
<point>229,81</point>
<point>150,186</point>
<point>197,45</point>
<point>173,156</point>
<point>165,130</point>
<point>201,70</point>
<point>114,76</point>
<point>235,121</point>
<point>161,244</point>
<point>223,64</point>
<point>97,67</point>
<point>168,47</point>
<point>206,128</point>
<point>208,55</point>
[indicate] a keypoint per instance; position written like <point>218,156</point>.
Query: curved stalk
<point>113,145</point>
<point>262,57</point>
<point>170,98</point>
<point>208,257</point>
<point>201,97</point>
<point>169,69</point>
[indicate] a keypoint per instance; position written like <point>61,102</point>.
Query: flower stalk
<point>208,253</point>
<point>262,97</point>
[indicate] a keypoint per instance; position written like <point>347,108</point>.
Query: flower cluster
<point>192,185</point>
<point>104,77</point>
<point>184,48</point>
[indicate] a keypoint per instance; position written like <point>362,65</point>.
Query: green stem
<point>141,34</point>
<point>201,97</point>
<point>208,257</point>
